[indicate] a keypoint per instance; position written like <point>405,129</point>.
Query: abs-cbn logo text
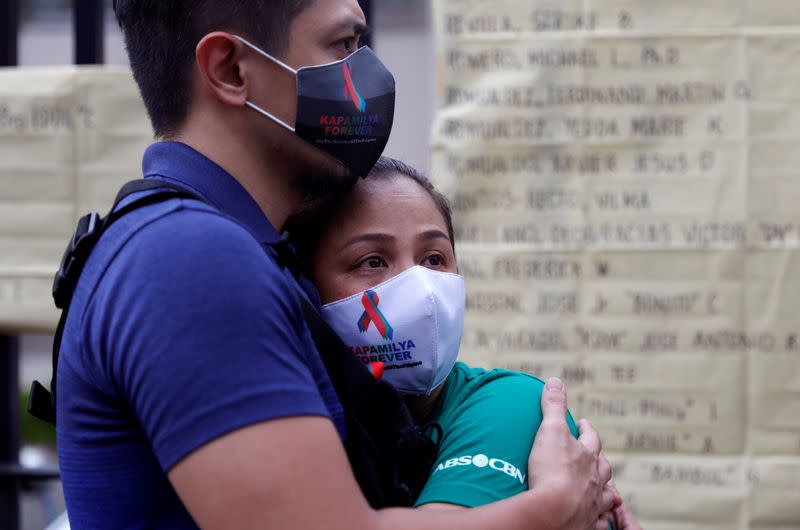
<point>481,461</point>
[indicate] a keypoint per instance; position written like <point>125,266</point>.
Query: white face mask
<point>412,323</point>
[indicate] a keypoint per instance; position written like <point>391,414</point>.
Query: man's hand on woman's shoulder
<point>574,473</point>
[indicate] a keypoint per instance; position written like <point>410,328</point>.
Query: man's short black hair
<point>161,37</point>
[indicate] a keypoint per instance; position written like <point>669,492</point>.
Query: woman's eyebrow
<point>433,234</point>
<point>374,237</point>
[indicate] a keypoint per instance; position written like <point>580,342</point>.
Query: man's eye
<point>350,44</point>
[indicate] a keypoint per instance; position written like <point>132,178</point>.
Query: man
<point>190,393</point>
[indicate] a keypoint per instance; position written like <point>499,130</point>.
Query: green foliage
<point>34,431</point>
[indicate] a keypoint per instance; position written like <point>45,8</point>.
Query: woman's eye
<point>434,260</point>
<point>372,263</point>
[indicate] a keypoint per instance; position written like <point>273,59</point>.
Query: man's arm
<point>293,473</point>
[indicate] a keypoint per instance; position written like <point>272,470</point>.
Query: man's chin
<point>325,176</point>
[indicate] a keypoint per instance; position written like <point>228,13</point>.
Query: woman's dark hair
<point>309,225</point>
<point>161,37</point>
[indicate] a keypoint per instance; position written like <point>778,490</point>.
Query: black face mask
<point>344,108</point>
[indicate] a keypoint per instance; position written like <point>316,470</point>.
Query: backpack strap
<point>41,402</point>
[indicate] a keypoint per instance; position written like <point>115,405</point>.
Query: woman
<point>384,263</point>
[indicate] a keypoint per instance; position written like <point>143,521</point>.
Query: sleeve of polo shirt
<point>483,455</point>
<point>204,334</point>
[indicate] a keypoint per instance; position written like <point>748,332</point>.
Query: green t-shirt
<point>489,420</point>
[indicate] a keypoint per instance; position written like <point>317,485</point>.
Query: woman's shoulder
<point>465,375</point>
<point>470,383</point>
<point>496,392</point>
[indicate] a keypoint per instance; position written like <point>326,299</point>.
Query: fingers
<point>603,520</point>
<point>618,500</point>
<point>608,500</point>
<point>589,438</point>
<point>554,400</point>
<point>604,468</point>
<point>625,518</point>
<point>601,523</point>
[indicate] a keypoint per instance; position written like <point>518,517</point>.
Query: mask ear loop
<point>265,54</point>
<point>270,116</point>
<point>279,63</point>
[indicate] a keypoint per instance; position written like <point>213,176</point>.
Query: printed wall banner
<point>69,138</point>
<point>623,175</point>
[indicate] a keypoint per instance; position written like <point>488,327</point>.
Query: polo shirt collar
<point>179,163</point>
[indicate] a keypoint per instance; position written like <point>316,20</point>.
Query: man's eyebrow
<point>360,28</point>
<point>353,24</point>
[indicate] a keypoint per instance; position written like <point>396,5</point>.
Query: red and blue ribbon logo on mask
<point>350,90</point>
<point>374,315</point>
<point>376,369</point>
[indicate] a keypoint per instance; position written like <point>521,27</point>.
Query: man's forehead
<point>338,14</point>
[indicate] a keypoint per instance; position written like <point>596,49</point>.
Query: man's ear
<point>219,62</point>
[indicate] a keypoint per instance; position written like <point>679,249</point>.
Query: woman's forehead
<point>392,200</point>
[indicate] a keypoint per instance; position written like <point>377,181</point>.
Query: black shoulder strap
<point>41,403</point>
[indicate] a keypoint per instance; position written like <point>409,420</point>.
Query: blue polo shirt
<point>181,329</point>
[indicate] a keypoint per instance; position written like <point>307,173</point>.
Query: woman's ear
<point>219,62</point>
